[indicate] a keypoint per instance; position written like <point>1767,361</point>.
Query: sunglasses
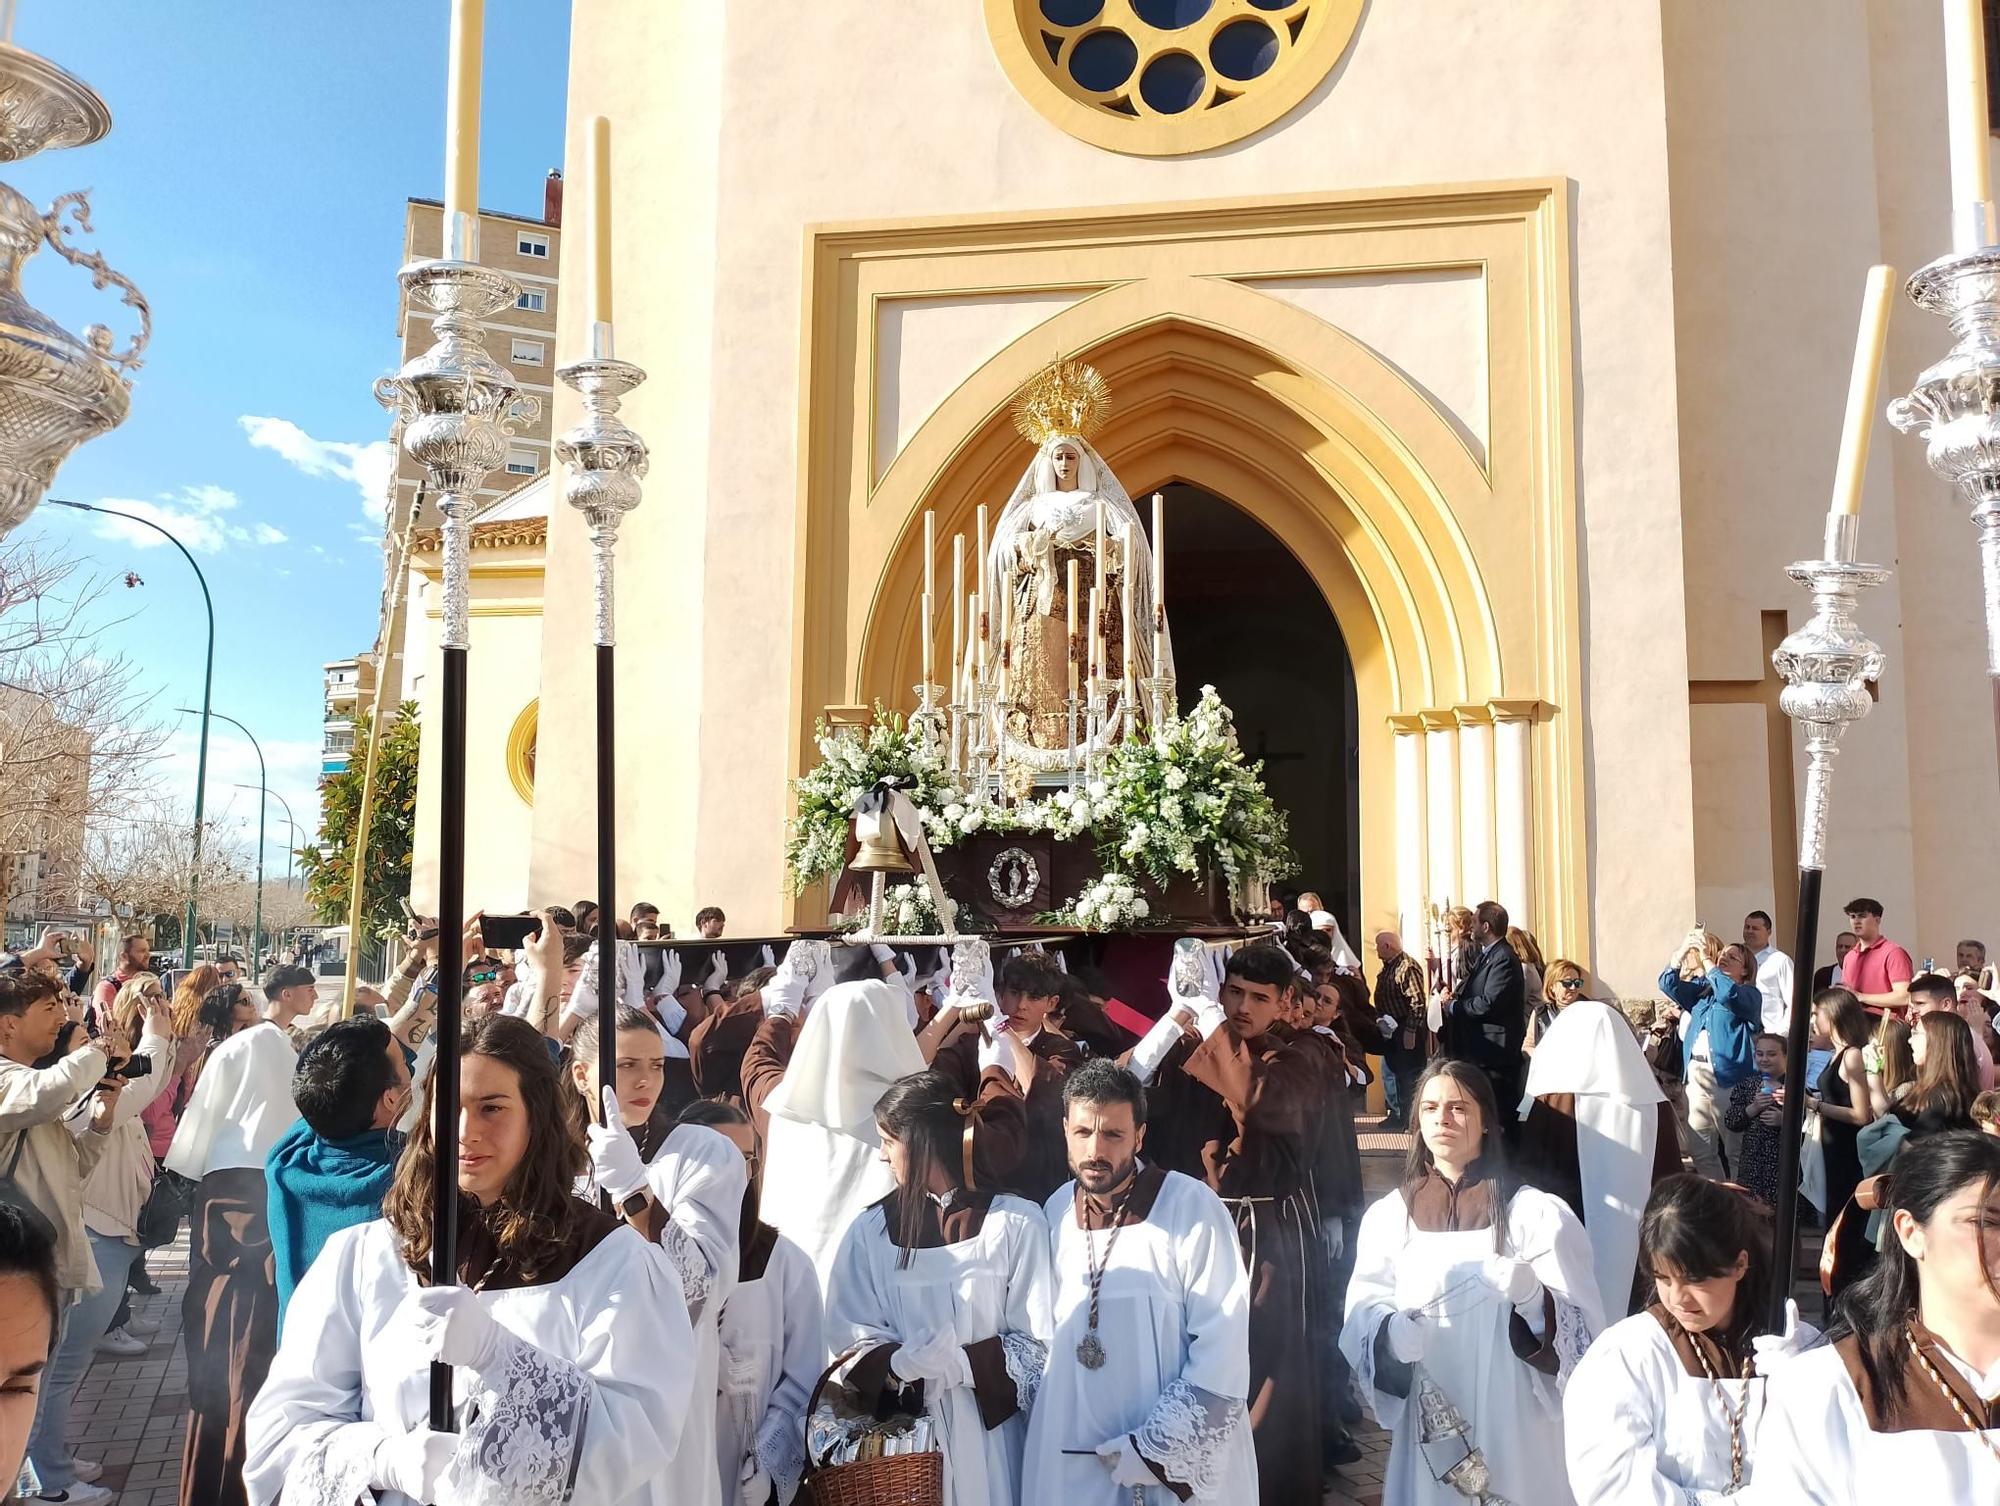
<point>1569,983</point>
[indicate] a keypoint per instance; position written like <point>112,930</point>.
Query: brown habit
<point>229,1319</point>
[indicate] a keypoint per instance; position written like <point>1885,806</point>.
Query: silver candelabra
<point>606,460</point>
<point>56,391</point>
<point>1955,409</point>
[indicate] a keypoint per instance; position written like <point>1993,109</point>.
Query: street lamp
<point>257,923</point>
<point>293,854</point>
<point>207,687</point>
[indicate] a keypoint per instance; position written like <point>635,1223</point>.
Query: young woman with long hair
<point>570,1345</point>
<point>1667,1403</point>
<point>772,1330</point>
<point>1472,1295</point>
<point>1901,1405</point>
<point>1947,1075</point>
<point>681,1187</point>
<point>1841,1100</point>
<point>1891,1069</point>
<point>942,1296</point>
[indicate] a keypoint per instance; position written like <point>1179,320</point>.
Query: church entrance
<point>1249,620</point>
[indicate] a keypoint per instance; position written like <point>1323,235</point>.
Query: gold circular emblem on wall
<point>521,750</point>
<point>1160,78</point>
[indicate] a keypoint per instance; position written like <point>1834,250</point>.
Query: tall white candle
<point>1159,582</point>
<point>927,637</point>
<point>1965,109</point>
<point>957,607</point>
<point>930,552</point>
<point>985,586</point>
<point>461,112</point>
<point>1125,624</point>
<point>1862,384</point>
<point>1070,644</point>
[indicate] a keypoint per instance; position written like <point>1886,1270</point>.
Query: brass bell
<point>879,850</point>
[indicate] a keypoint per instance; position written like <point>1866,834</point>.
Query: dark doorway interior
<point>1248,619</point>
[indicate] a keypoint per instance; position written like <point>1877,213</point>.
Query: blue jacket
<point>1732,1013</point>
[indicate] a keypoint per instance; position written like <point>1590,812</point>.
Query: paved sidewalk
<point>130,1413</point>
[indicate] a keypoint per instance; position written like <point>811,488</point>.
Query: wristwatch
<point>634,1205</point>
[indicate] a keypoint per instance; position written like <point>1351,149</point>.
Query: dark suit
<point>1487,1023</point>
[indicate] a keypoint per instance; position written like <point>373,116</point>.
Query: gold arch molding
<point>1452,582</point>
<point>1163,78</point>
<point>521,740</point>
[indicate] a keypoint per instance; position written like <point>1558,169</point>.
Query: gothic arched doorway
<point>1248,619</point>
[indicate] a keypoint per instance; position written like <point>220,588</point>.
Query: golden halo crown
<point>1065,397</point>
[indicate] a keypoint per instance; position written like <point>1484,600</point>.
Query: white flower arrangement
<point>1107,902</point>
<point>1178,802</point>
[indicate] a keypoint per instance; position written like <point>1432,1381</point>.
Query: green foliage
<point>852,760</point>
<point>327,865</point>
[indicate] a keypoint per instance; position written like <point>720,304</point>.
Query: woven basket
<point>895,1480</point>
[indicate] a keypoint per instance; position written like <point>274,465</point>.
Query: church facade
<point>1491,363</point>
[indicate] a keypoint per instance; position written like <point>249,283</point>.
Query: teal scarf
<point>319,1187</point>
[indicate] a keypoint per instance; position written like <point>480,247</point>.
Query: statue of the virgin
<point>1050,523</point>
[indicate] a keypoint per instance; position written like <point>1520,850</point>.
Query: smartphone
<point>508,932</point>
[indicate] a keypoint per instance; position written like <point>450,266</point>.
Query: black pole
<point>450,964</point>
<point>607,918</point>
<point>1785,1241</point>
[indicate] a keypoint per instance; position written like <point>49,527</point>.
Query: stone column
<point>1475,802</point>
<point>1514,806</point>
<point>1441,807</point>
<point>1411,893</point>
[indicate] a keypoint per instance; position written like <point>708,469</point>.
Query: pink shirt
<point>1877,968</point>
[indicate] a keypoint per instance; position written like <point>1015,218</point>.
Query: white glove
<point>1334,1233</point>
<point>450,1324</point>
<point>614,1158</point>
<point>1513,1279</point>
<point>718,973</point>
<point>1208,1017</point>
<point>1406,1336</point>
<point>413,1464</point>
<point>939,1361</point>
<point>1386,1023</point>
<point>806,972</point>
<point>882,952</point>
<point>753,1486</point>
<point>1004,1049</point>
<point>1127,1466</point>
<point>1773,1349</point>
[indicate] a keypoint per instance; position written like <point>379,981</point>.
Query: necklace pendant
<point>1089,1352</point>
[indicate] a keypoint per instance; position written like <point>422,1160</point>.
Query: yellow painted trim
<point>494,609</point>
<point>521,750</point>
<point>1229,387</point>
<point>1226,111</point>
<point>487,572</point>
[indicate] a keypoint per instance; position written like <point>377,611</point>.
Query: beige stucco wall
<point>501,675</point>
<point>900,109</point>
<point>1787,184</point>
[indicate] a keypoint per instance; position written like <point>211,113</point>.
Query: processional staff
<point>1827,666</point>
<point>456,406</point>
<point>606,461</point>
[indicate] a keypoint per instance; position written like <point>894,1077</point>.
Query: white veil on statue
<point>1074,515</point>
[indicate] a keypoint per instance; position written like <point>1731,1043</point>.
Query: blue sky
<point>253,187</point>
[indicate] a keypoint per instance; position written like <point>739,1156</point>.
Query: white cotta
<point>1174,1320</point>
<point>995,1284</point>
<point>822,1156</point>
<point>1344,956</point>
<point>1817,1449</point>
<point>1590,1051</point>
<point>697,1177</point>
<point>240,1106</point>
<point>1641,1431</point>
<point>588,1404</point>
<point>1515,1411</point>
<point>773,1349</point>
<point>1070,515</point>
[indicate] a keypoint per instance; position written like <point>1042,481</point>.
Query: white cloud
<point>196,515</point>
<point>291,768</point>
<point>368,466</point>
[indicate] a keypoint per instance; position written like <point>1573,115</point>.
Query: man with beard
<point>1235,1103</point>
<point>1146,1380</point>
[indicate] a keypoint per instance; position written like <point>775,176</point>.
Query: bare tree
<point>140,865</point>
<point>76,727</point>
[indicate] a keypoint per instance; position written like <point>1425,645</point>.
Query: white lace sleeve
<point>337,1468</point>
<point>524,1431</point>
<point>781,1451</point>
<point>1184,1434</point>
<point>690,1264</point>
<point>1574,1332</point>
<point>1026,1358</point>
